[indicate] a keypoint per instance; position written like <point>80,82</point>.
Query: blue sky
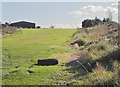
<point>60,0</point>
<point>60,14</point>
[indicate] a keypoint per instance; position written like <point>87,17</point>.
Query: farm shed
<point>23,24</point>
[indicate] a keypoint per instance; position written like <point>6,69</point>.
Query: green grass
<point>21,51</point>
<point>97,60</point>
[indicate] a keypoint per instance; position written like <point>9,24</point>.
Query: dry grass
<point>102,48</point>
<point>102,76</point>
<point>9,31</point>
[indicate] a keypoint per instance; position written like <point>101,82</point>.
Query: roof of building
<point>21,22</point>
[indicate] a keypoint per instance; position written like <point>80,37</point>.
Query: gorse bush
<point>10,30</point>
<point>91,23</point>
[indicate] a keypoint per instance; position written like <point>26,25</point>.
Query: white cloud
<point>60,25</point>
<point>113,10</point>
<point>86,10</point>
<point>77,12</point>
<point>64,25</point>
<point>114,5</point>
<point>91,9</point>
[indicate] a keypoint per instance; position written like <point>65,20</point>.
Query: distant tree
<point>6,24</point>
<point>104,20</point>
<point>38,26</point>
<point>86,23</point>
<point>51,26</point>
<point>97,21</point>
<point>91,23</point>
<point>108,20</point>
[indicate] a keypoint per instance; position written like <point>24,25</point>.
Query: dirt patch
<point>75,57</point>
<point>63,57</point>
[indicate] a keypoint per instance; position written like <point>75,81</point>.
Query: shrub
<point>9,30</point>
<point>91,23</point>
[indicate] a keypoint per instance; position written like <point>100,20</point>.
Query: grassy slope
<point>21,52</point>
<point>102,56</point>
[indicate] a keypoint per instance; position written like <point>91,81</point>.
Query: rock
<point>78,43</point>
<point>47,62</point>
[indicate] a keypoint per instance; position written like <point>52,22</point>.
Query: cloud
<point>60,25</point>
<point>64,25</point>
<point>77,12</point>
<point>113,8</point>
<point>91,9</point>
<point>115,5</point>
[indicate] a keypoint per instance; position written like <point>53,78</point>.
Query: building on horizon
<point>23,24</point>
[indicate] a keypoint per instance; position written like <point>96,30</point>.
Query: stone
<point>47,62</point>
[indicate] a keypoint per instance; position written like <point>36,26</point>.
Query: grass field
<point>93,63</point>
<point>21,52</point>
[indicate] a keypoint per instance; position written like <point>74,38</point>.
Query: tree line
<point>93,22</point>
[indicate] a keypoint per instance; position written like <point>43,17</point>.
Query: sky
<point>60,0</point>
<point>59,14</point>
